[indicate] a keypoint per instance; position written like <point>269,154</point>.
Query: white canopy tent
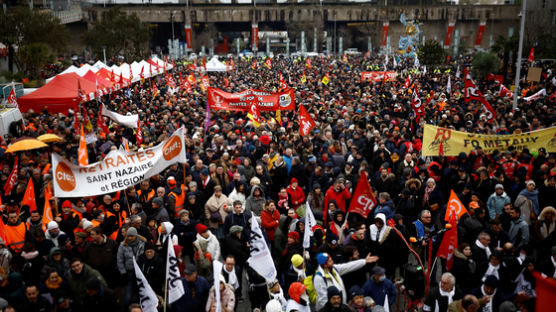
<point>214,65</point>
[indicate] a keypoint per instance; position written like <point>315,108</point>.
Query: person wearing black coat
<point>464,268</point>
<point>99,298</point>
<point>238,217</point>
<point>489,288</point>
<point>234,245</point>
<point>153,267</point>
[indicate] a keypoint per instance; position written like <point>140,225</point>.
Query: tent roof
<point>59,95</point>
<point>215,65</point>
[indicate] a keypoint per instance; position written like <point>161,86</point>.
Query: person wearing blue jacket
<point>497,201</point>
<point>196,292</point>
<point>378,286</point>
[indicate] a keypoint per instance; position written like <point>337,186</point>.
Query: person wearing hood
<point>383,243</point>
<point>339,193</point>
<point>166,230</point>
<point>338,225</point>
<point>496,202</point>
<point>528,202</point>
<point>328,273</point>
<point>56,261</point>
<point>296,194</point>
<point>334,303</point>
<point>255,202</point>
<point>299,300</point>
<point>52,232</point>
<point>464,268</point>
<point>544,230</point>
<point>207,249</point>
<point>80,274</point>
<point>227,297</point>
<point>99,298</point>
<point>131,247</point>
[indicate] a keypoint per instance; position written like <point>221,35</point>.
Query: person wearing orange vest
<point>145,194</point>
<point>178,194</point>
<point>15,232</point>
<point>121,217</point>
<point>68,219</point>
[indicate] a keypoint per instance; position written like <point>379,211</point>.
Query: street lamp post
<point>519,52</point>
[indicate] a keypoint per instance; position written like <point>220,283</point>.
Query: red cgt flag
<point>29,196</point>
<point>139,134</point>
<point>82,154</point>
<point>363,201</point>
<point>472,93</point>
<point>47,212</point>
<point>449,243</point>
<point>268,63</point>
<point>417,104</point>
<point>546,292</point>
<point>306,123</point>
<point>455,207</point>
<point>11,179</point>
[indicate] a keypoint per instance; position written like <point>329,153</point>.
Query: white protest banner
<point>216,271</point>
<point>118,170</point>
<point>147,297</point>
<point>260,259</point>
<point>175,285</point>
<point>126,120</point>
<point>309,223</point>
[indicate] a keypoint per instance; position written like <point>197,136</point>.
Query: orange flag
<point>29,197</point>
<point>2,230</point>
<point>454,206</point>
<point>82,155</point>
<point>47,212</point>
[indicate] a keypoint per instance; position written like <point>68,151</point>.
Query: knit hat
<point>499,186</point>
<point>66,204</point>
<point>355,291</point>
<point>87,224</point>
<point>52,225</point>
<point>332,238</point>
<point>322,258</point>
<point>296,290</point>
<point>93,284</point>
<point>62,239</point>
<point>297,260</point>
<point>333,291</point>
<point>491,281</point>
<point>201,228</point>
<point>148,245</point>
<point>293,180</point>
<point>293,235</point>
<point>83,235</point>
<point>205,172</point>
<point>171,180</point>
<point>236,229</point>
<point>131,231</point>
<point>273,306</point>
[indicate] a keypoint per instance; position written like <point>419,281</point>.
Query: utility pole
<point>519,52</point>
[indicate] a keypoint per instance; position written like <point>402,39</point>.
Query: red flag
<point>417,104</point>
<point>233,64</point>
<point>12,98</point>
<point>472,93</point>
<point>2,230</point>
<point>283,85</point>
<point>187,86</point>
<point>47,215</point>
<point>191,79</point>
<point>531,57</point>
<point>82,154</point>
<point>449,243</point>
<point>363,200</point>
<point>226,82</point>
<point>308,63</point>
<point>155,90</point>
<point>11,179</point>
<point>29,196</point>
<point>546,292</point>
<point>205,82</point>
<point>100,121</point>
<point>171,83</point>
<point>139,134</point>
<point>407,82</point>
<point>141,75</point>
<point>306,123</point>
<point>504,92</point>
<point>254,64</point>
<point>552,98</point>
<point>268,63</point>
<point>254,113</point>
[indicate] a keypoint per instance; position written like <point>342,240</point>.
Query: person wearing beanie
<point>99,298</point>
<point>496,202</point>
<point>131,247</point>
<point>295,272</point>
<point>334,303</point>
<point>293,246</point>
<point>159,211</point>
<point>329,274</point>
<point>299,300</point>
<point>52,232</point>
<point>68,219</point>
<point>153,267</point>
<point>274,305</point>
<point>357,300</point>
<point>207,249</point>
<point>295,194</point>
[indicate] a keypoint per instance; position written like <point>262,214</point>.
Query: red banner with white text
<point>480,34</point>
<point>377,76</point>
<point>384,37</point>
<point>266,101</point>
<point>449,33</point>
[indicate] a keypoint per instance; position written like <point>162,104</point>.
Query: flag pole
<point>166,275</point>
<point>519,52</point>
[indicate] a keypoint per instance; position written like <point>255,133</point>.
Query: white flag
<point>260,259</point>
<point>395,62</point>
<point>175,285</point>
<point>554,81</point>
<point>147,297</point>
<point>216,271</point>
<point>424,69</point>
<point>129,121</point>
<point>449,87</point>
<point>386,60</point>
<point>309,223</point>
<point>535,96</point>
<point>386,305</point>
<point>416,63</point>
<point>458,73</point>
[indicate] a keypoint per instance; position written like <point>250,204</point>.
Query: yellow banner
<point>451,142</point>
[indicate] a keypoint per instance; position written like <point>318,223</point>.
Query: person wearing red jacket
<point>339,193</point>
<point>296,194</point>
<point>270,219</point>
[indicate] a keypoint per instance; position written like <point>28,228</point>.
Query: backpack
<point>311,291</point>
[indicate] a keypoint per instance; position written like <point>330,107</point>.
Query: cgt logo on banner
<point>118,170</point>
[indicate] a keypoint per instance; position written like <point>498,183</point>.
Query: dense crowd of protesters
<point>83,260</point>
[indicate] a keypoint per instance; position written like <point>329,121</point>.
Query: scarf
<point>30,255</point>
<point>546,229</point>
<point>375,230</point>
<point>300,273</point>
<point>428,191</point>
<point>553,264</point>
<point>53,285</point>
<point>488,306</point>
<point>450,294</point>
<point>232,277</point>
<point>485,248</point>
<point>533,196</point>
<point>492,270</point>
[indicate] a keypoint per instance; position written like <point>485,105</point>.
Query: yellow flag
<point>304,78</point>
<point>325,80</point>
